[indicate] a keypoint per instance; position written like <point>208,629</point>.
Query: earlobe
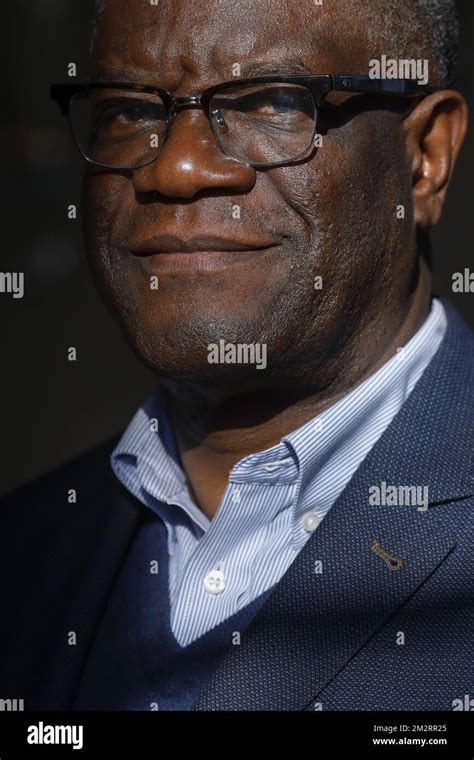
<point>427,203</point>
<point>434,131</point>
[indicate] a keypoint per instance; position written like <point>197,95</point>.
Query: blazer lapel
<point>364,561</point>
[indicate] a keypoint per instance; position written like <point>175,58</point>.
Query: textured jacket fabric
<point>135,662</point>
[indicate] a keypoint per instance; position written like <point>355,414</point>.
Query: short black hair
<point>427,29</point>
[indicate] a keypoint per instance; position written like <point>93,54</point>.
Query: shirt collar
<point>147,460</point>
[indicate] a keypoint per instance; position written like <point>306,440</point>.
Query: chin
<point>198,351</point>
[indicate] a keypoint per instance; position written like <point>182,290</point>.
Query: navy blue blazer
<point>360,636</point>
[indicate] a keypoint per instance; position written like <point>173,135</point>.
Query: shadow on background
<point>52,409</point>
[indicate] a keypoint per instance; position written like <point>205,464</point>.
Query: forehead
<point>203,39</point>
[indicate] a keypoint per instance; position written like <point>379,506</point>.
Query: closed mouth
<point>167,253</point>
<point>169,244</point>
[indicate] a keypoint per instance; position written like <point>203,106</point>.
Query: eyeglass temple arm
<point>403,87</point>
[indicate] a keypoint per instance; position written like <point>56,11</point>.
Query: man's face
<point>332,216</point>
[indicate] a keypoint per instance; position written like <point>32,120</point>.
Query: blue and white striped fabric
<point>274,499</point>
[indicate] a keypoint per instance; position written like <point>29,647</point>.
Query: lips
<point>171,244</point>
<point>163,253</point>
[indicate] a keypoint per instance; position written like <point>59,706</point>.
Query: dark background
<point>52,409</point>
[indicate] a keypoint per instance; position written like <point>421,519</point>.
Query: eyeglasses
<point>262,122</point>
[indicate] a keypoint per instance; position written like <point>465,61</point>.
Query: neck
<point>215,430</point>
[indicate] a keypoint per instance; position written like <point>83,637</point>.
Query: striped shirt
<point>274,500</point>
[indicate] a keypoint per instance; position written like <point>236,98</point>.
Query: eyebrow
<point>248,71</point>
<point>271,68</point>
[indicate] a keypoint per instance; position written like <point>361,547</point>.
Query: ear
<point>434,133</point>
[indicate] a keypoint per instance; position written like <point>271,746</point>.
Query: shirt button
<point>214,582</point>
<point>310,521</point>
<point>272,466</point>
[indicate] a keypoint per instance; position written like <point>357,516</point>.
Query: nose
<point>191,161</point>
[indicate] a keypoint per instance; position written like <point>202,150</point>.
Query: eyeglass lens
<point>256,124</point>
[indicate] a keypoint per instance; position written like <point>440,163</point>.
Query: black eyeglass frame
<point>319,86</point>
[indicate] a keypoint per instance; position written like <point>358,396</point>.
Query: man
<point>286,523</point>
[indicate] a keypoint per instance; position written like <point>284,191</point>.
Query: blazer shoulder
<point>89,475</point>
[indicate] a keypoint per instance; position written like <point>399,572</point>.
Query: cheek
<point>348,194</point>
<point>106,199</point>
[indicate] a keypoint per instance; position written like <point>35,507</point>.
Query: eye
<point>270,104</point>
<point>133,113</point>
<point>274,107</point>
<point>126,111</point>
